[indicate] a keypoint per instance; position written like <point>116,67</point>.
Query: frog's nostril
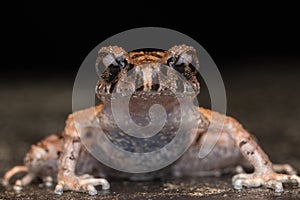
<point>147,86</point>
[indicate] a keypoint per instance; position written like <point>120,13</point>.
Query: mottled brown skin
<point>63,157</point>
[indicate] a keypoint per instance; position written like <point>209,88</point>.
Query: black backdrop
<point>52,39</point>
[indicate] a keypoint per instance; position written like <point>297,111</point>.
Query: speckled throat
<point>139,107</point>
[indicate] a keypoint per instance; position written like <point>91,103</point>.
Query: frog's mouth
<point>149,80</point>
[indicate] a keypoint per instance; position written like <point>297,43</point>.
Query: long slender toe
<point>284,168</point>
<point>105,184</point>
<point>4,183</point>
<point>91,190</point>
<point>18,186</point>
<point>275,185</point>
<point>48,181</point>
<point>59,189</point>
<point>278,187</point>
<point>237,184</point>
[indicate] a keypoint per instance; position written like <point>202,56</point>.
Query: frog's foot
<point>81,184</point>
<point>20,183</point>
<point>8,175</point>
<point>270,180</point>
<point>284,168</point>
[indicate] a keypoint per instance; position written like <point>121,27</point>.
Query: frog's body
<point>62,156</point>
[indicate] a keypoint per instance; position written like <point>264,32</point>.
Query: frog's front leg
<point>264,174</point>
<point>67,179</point>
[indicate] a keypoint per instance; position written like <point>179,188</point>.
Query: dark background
<point>52,39</point>
<point>255,46</point>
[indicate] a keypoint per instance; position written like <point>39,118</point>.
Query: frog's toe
<point>20,183</point>
<point>245,180</point>
<point>18,186</point>
<point>94,182</point>
<point>270,180</point>
<point>284,168</point>
<point>59,188</point>
<point>12,172</point>
<point>81,184</point>
<point>48,181</point>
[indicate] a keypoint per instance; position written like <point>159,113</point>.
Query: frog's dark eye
<point>113,66</point>
<point>177,63</point>
<point>180,63</point>
<point>116,65</point>
<point>184,60</point>
<point>111,60</point>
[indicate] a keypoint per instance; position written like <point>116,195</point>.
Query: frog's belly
<point>225,155</point>
<point>87,164</point>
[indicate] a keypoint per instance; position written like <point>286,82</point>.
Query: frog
<point>63,159</point>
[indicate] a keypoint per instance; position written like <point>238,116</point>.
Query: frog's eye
<point>111,60</point>
<point>113,66</point>
<point>184,60</point>
<point>177,63</point>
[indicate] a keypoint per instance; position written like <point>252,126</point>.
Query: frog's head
<point>147,72</point>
